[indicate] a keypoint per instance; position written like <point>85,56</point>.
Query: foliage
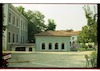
<point>90,46</point>
<point>81,49</point>
<point>89,32</point>
<point>84,46</point>
<point>51,25</point>
<point>35,22</point>
<point>93,56</point>
<point>92,59</point>
<point>73,49</point>
<point>83,35</point>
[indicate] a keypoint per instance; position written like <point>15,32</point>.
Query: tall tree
<point>84,35</point>
<point>35,22</point>
<point>21,9</point>
<point>51,25</point>
<point>89,32</point>
<point>91,22</point>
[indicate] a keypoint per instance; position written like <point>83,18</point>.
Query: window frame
<point>56,45</point>
<point>50,45</point>
<point>43,46</point>
<point>62,46</point>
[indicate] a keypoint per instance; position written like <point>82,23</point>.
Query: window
<point>9,17</point>
<point>13,38</point>
<point>14,20</point>
<point>17,22</point>
<point>56,45</point>
<point>62,46</point>
<point>23,39</point>
<point>9,37</point>
<point>30,49</point>
<point>43,46</point>
<point>50,46</point>
<point>20,49</point>
<point>21,24</point>
<point>17,38</point>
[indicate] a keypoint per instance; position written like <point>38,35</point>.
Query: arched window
<point>50,46</point>
<point>30,49</point>
<point>43,45</point>
<point>56,45</point>
<point>62,46</point>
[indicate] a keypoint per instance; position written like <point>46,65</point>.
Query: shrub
<point>92,59</point>
<point>84,46</point>
<point>73,49</point>
<point>90,46</point>
<point>81,49</point>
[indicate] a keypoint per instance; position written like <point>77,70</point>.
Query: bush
<point>92,59</point>
<point>73,49</point>
<point>84,46</point>
<point>81,49</point>
<point>90,46</point>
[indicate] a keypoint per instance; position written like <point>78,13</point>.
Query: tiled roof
<point>57,33</point>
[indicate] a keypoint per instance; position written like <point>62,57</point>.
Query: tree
<point>51,25</point>
<point>91,22</point>
<point>84,35</point>
<point>21,9</point>
<point>89,32</point>
<point>35,22</point>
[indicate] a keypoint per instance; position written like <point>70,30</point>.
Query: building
<point>55,40</point>
<point>17,27</point>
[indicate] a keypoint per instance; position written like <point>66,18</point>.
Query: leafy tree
<point>35,22</point>
<point>89,32</point>
<point>21,9</point>
<point>83,35</point>
<point>92,23</point>
<point>51,25</point>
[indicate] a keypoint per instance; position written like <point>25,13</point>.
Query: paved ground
<point>48,59</point>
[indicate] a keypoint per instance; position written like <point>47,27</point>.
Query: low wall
<point>27,46</point>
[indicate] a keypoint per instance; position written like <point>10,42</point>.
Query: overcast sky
<point>66,16</point>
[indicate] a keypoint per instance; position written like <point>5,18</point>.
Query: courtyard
<point>48,59</point>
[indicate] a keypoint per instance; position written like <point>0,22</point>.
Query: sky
<point>66,16</point>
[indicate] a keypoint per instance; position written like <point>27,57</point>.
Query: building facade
<point>54,41</point>
<point>17,27</point>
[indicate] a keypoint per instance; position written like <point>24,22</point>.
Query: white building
<point>17,27</point>
<point>55,41</point>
